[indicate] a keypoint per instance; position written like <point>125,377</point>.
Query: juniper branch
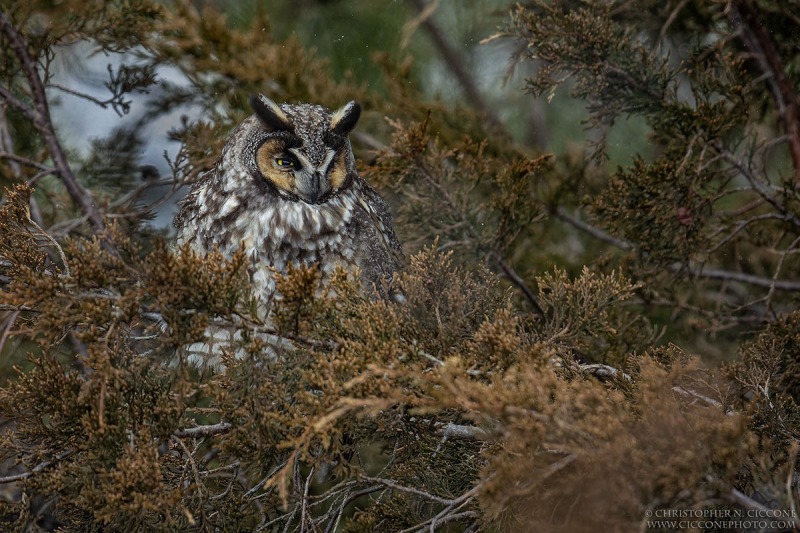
<point>699,272</point>
<point>40,116</point>
<point>38,468</point>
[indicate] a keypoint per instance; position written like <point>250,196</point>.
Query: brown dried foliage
<point>459,407</point>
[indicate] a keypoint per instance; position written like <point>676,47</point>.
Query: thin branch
<point>591,230</point>
<point>19,477</point>
<point>694,394</point>
<point>741,225</point>
<point>40,116</point>
<point>7,325</point>
<point>557,466</point>
<point>9,98</point>
<point>389,484</point>
<point>304,508</point>
<point>745,501</point>
<point>757,39</point>
<point>38,468</point>
<point>330,345</point>
<point>672,16</point>
<point>741,277</point>
<point>515,279</point>
<point>447,514</point>
<point>55,245</point>
<point>25,161</point>
<point>264,481</point>
<point>203,431</point>
<point>451,518</point>
<point>603,371</point>
<point>102,103</point>
<point>458,431</point>
<point>758,185</point>
<point>333,525</point>
<point>709,273</point>
<point>9,307</point>
<point>454,62</point>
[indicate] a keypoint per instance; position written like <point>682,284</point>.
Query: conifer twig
<point>55,244</point>
<point>741,277</point>
<point>594,231</point>
<point>38,468</point>
<point>604,371</point>
<point>700,272</point>
<point>39,114</point>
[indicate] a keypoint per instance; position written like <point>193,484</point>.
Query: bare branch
<point>458,431</point>
<point>741,277</point>
<point>203,431</point>
<point>389,484</point>
<point>454,62</point>
<point>25,161</point>
<point>604,371</point>
<point>304,509</point>
<point>758,185</point>
<point>9,98</point>
<point>591,230</point>
<point>748,503</point>
<point>757,39</point>
<point>7,307</point>
<point>8,323</point>
<point>102,103</point>
<point>694,394</point>
<point>55,244</point>
<point>702,272</point>
<point>38,468</point>
<point>515,278</point>
<point>330,345</point>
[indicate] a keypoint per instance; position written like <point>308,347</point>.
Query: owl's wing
<point>380,218</point>
<point>187,207</point>
<point>382,253</point>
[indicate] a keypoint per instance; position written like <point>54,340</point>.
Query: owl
<point>286,189</point>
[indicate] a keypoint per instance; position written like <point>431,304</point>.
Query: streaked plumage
<point>287,190</point>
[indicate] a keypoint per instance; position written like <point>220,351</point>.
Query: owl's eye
<point>285,162</point>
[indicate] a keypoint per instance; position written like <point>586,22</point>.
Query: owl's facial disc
<point>290,171</point>
<point>296,159</point>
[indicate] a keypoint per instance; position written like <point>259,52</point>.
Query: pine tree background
<point>600,205</point>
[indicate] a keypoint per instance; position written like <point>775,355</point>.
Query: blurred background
<point>435,40</point>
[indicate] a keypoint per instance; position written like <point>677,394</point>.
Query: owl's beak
<point>311,189</point>
<point>315,193</point>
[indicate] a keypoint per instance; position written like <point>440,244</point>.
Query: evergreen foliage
<point>553,364</point>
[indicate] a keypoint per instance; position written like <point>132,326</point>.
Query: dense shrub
<point>554,364</point>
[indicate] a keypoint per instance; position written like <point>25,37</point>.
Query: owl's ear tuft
<point>345,118</point>
<point>272,117</point>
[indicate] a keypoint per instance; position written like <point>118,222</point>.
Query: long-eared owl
<point>286,189</point>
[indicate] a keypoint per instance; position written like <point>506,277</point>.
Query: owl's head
<point>302,150</point>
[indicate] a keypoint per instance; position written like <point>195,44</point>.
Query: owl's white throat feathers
<point>277,233</point>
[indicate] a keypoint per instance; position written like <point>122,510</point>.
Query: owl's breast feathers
<point>353,230</point>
